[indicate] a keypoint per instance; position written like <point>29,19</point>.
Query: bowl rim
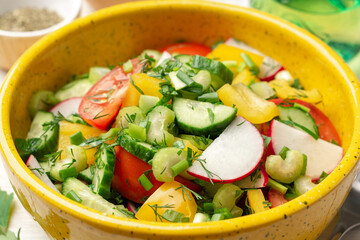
<point>75,10</point>
<point>128,226</point>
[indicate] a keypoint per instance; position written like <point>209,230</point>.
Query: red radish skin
<point>321,155</point>
<point>234,155</point>
<point>260,181</point>
<point>268,75</point>
<point>67,107</point>
<point>131,207</point>
<point>33,164</point>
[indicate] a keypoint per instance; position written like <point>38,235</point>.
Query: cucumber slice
<point>93,200</point>
<point>41,100</point>
<point>203,77</point>
<point>74,162</point>
<point>104,172</point>
<point>128,115</point>
<point>183,58</point>
<point>152,53</point>
<point>220,74</point>
<point>161,118</point>
<point>142,150</point>
<point>147,102</point>
<point>49,136</point>
<point>87,175</point>
<point>77,88</point>
<point>202,118</point>
<point>177,83</point>
<point>301,118</point>
<point>96,73</point>
<point>163,160</point>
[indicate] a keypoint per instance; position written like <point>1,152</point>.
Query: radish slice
<point>268,69</point>
<point>33,164</point>
<point>233,155</point>
<point>321,155</point>
<point>131,207</point>
<point>67,107</point>
<point>259,180</point>
<point>165,55</point>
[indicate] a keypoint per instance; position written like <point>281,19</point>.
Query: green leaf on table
<point>10,236</point>
<point>5,205</point>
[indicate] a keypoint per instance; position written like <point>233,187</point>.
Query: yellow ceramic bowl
<point>118,33</point>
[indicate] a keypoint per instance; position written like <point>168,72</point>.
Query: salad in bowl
<point>189,133</point>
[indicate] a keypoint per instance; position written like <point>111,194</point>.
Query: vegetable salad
<point>186,134</point>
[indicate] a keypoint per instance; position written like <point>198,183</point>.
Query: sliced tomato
<point>327,130</point>
<point>101,103</point>
<point>276,198</point>
<point>128,168</point>
<point>188,48</point>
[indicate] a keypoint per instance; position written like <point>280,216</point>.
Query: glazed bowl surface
<point>115,34</point>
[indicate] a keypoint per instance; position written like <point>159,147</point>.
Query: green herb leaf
<point>5,205</point>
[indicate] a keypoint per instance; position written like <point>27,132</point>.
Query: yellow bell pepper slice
<point>250,106</point>
<point>148,85</point>
<point>225,52</point>
<point>257,201</point>
<point>284,90</point>
<point>245,77</point>
<point>67,129</point>
<point>169,196</point>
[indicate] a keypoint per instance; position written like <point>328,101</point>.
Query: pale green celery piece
<point>160,117</point>
<point>201,217</point>
<point>303,184</point>
<point>203,77</point>
<point>226,196</point>
<point>146,102</point>
<point>285,170</point>
<point>96,73</point>
<point>75,156</point>
<point>128,66</point>
<point>137,132</point>
<point>263,90</point>
<point>163,160</point>
<point>128,115</point>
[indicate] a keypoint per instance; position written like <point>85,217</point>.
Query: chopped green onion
<point>225,212</point>
<point>249,62</point>
<point>209,207</point>
<point>180,167</point>
<point>112,133</point>
<point>67,172</point>
<point>128,66</point>
<point>137,132</point>
<point>217,217</point>
<point>267,140</point>
<point>322,177</point>
<point>211,115</point>
<point>73,196</point>
<point>241,67</point>
<point>184,78</point>
<point>145,182</point>
<point>201,217</point>
<point>77,138</point>
<point>209,97</point>
<point>230,63</point>
<point>283,152</point>
<point>145,124</point>
<point>302,107</point>
<point>303,170</point>
<point>315,135</point>
<point>277,186</point>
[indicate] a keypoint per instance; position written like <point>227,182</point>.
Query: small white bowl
<point>13,44</point>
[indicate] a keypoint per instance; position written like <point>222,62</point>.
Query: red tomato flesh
<point>128,168</point>
<point>276,198</point>
<point>102,102</point>
<point>188,48</point>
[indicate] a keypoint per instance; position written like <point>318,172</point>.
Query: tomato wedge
<point>102,102</point>
<point>188,48</point>
<point>276,198</point>
<point>327,130</point>
<point>129,168</point>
